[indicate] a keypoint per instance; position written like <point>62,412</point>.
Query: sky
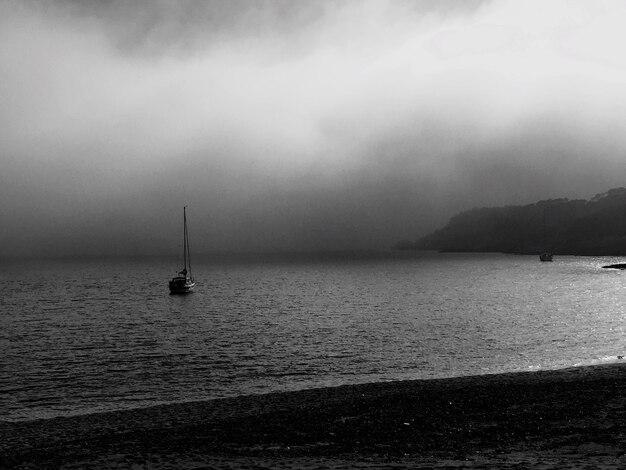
<point>297,126</point>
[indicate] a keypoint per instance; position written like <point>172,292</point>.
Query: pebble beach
<point>569,418</point>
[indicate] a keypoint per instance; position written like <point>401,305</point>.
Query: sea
<point>87,336</point>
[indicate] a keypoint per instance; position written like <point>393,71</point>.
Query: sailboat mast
<point>187,254</point>
<point>185,237</point>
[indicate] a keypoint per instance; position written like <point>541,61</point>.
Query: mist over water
<point>83,337</point>
<point>326,125</point>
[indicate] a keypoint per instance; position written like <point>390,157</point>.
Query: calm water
<point>94,336</point>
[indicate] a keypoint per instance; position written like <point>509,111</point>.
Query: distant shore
<point>539,419</point>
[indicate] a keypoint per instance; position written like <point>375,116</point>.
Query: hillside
<point>561,226</point>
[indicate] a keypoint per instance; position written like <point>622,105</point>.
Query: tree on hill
<point>562,226</point>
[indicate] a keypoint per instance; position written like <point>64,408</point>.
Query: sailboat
<point>183,283</point>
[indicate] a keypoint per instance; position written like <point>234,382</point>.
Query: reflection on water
<point>84,337</point>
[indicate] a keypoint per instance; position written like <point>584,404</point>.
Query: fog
<point>295,126</point>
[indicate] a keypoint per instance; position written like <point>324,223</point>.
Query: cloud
<point>295,125</point>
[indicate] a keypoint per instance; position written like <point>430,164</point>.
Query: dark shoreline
<point>494,421</point>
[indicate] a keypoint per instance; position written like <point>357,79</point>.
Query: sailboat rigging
<point>183,283</point>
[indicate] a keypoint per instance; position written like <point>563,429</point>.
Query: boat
<point>545,257</point>
<point>183,283</point>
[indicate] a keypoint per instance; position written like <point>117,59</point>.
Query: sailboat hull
<point>181,285</point>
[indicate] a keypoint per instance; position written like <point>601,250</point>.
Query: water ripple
<point>75,340</point>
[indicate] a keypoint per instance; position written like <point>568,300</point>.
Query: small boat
<point>183,283</point>
<point>545,257</point>
<point>621,266</point>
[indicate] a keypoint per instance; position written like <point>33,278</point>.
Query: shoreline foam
<point>540,418</point>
